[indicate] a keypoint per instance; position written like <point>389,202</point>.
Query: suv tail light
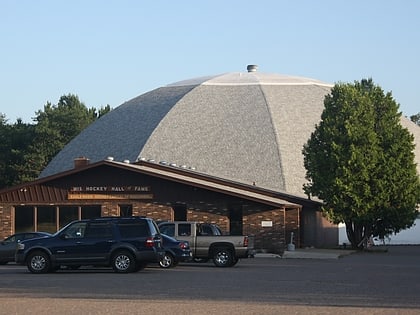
<point>246,241</point>
<point>155,241</point>
<point>150,242</point>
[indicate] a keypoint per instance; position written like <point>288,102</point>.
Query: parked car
<point>8,245</point>
<point>207,242</point>
<point>127,244</point>
<point>175,252</point>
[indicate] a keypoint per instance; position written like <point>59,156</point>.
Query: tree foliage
<point>416,119</point>
<point>360,162</point>
<point>27,148</point>
<point>14,143</point>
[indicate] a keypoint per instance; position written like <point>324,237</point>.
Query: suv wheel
<point>38,262</point>
<point>123,261</point>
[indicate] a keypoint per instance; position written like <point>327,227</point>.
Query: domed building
<point>247,127</point>
<point>244,130</point>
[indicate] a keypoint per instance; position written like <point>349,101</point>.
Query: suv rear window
<point>133,229</point>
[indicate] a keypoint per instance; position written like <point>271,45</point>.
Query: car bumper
<point>245,253</point>
<point>182,256</point>
<point>185,257</point>
<point>151,256</point>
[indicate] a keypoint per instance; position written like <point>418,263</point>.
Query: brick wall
<point>6,226</point>
<point>273,239</point>
<point>269,238</point>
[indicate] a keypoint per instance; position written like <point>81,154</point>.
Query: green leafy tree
<point>15,140</point>
<point>360,162</point>
<point>4,151</point>
<point>25,149</point>
<point>55,126</point>
<point>416,119</point>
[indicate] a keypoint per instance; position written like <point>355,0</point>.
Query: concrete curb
<point>308,254</point>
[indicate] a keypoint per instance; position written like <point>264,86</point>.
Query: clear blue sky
<point>108,52</point>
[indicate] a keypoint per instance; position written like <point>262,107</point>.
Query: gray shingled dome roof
<point>248,127</point>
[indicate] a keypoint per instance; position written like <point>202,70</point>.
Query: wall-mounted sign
<point>116,189</point>
<point>266,223</point>
<point>109,192</point>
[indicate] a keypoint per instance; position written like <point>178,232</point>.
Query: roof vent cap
<point>252,68</point>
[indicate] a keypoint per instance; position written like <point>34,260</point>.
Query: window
<point>90,212</point>
<point>180,212</point>
<point>98,230</point>
<point>24,219</point>
<point>184,229</point>
<point>68,214</point>
<point>132,230</point>
<point>76,230</point>
<point>205,229</point>
<point>126,210</point>
<point>168,229</point>
<point>11,239</point>
<point>46,219</point>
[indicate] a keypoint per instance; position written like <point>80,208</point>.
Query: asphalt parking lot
<point>379,282</point>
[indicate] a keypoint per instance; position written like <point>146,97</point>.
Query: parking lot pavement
<point>381,281</point>
<point>114,306</point>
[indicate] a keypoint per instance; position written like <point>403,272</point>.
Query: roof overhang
<point>180,175</point>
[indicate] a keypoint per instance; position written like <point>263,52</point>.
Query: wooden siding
<point>35,194</point>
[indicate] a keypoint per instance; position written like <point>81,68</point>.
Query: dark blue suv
<point>127,244</point>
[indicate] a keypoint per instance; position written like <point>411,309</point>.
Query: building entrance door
<point>235,220</point>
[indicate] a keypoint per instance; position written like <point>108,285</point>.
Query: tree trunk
<point>358,234</point>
